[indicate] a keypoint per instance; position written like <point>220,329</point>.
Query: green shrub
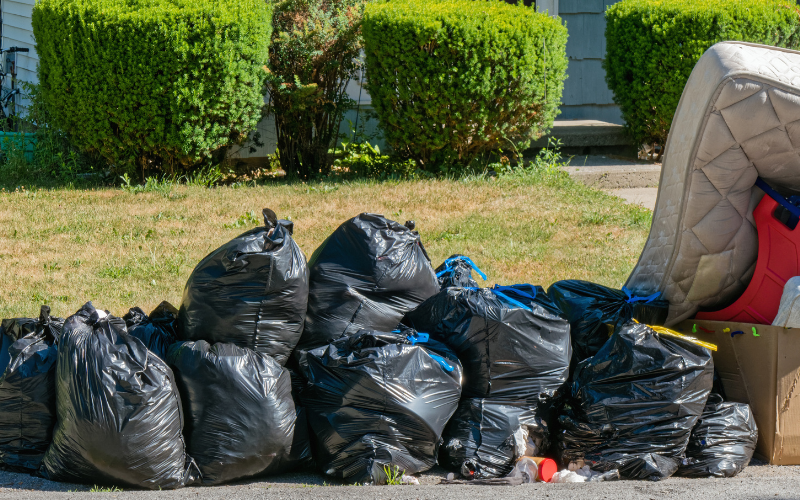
<point>313,55</point>
<point>452,79</point>
<point>153,83</point>
<point>653,45</point>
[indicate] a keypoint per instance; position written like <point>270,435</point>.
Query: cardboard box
<point>763,371</point>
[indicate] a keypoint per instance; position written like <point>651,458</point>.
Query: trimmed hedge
<point>153,83</point>
<point>653,45</point>
<point>451,79</point>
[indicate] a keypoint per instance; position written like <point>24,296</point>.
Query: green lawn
<point>121,249</point>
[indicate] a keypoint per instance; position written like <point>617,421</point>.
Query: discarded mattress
<point>738,119</point>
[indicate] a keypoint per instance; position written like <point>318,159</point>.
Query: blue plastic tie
<point>508,299</point>
<point>448,267</point>
<point>635,298</point>
<point>516,290</point>
<point>442,362</point>
<point>419,338</point>
<point>777,197</point>
<point>737,332</point>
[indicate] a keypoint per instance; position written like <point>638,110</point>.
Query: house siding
<point>17,32</point>
<point>586,95</point>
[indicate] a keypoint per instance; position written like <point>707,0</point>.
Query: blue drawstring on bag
<point>635,298</point>
<point>448,266</point>
<point>421,338</point>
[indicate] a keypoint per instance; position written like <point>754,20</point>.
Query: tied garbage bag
<point>367,274</point>
<point>377,401</point>
<point>119,411</point>
<point>28,390</point>
<point>510,340</point>
<point>240,416</point>
<point>251,291</point>
<point>456,270</point>
<point>157,331</point>
<point>485,438</point>
<point>634,403</point>
<point>595,312</point>
<point>722,442</point>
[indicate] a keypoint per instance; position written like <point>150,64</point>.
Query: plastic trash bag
<point>789,311</point>
<point>377,401</point>
<point>157,331</point>
<point>251,291</point>
<point>240,416</point>
<point>28,390</point>
<point>722,442</point>
<point>119,411</point>
<point>584,475</point>
<point>456,270</point>
<point>367,274</point>
<point>510,341</point>
<point>485,438</point>
<point>634,403</point>
<point>595,312</point>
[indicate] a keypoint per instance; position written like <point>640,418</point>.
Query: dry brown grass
<point>120,249</point>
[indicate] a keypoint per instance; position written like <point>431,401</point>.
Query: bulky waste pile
<point>368,365</point>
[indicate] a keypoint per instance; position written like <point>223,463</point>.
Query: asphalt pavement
<point>757,481</point>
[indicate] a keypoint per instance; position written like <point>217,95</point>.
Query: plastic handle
<point>635,298</point>
<point>419,338</point>
<point>777,197</point>
<point>448,266</point>
<point>442,362</point>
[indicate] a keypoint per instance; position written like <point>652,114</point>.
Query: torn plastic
<point>240,416</point>
<point>509,340</point>
<point>377,401</point>
<point>456,270</point>
<point>723,440</point>
<point>157,331</point>
<point>584,475</point>
<point>251,291</point>
<point>595,312</point>
<point>634,403</point>
<point>485,437</point>
<point>28,390</point>
<point>365,275</point>
<point>119,411</point>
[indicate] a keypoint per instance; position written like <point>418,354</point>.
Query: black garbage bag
<point>119,411</point>
<point>485,437</point>
<point>240,416</point>
<point>251,291</point>
<point>722,442</point>
<point>634,403</point>
<point>595,312</point>
<point>367,274</point>
<point>301,458</point>
<point>157,331</point>
<point>28,390</point>
<point>456,270</point>
<point>510,340</point>
<point>377,401</point>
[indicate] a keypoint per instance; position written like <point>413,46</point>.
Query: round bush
<point>451,79</point>
<point>153,83</point>
<point>653,45</point>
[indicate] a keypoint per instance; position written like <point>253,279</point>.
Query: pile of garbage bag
<point>118,410</point>
<point>367,364</point>
<point>515,350</point>
<point>365,275</point>
<point>251,291</point>
<point>633,405</point>
<point>240,415</point>
<point>378,400</point>
<point>28,390</point>
<point>722,442</point>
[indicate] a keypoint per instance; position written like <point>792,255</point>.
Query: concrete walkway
<point>634,181</point>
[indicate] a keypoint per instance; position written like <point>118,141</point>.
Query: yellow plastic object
<point>672,333</point>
